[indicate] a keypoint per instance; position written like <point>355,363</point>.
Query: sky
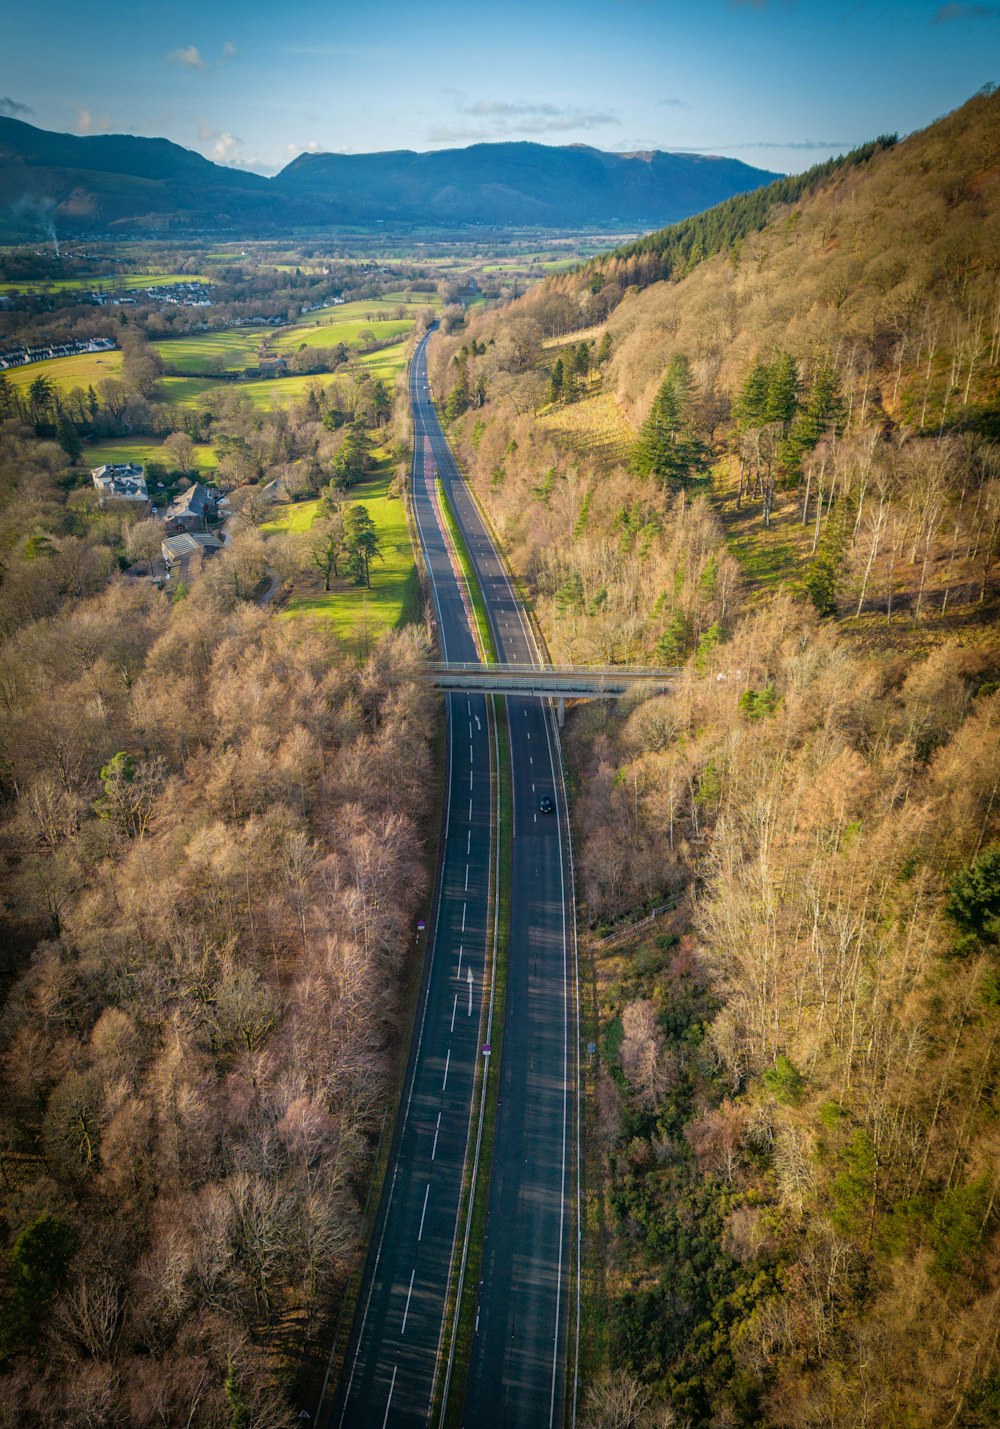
<point>781,84</point>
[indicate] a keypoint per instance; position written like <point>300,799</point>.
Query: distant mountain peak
<point>129,184</point>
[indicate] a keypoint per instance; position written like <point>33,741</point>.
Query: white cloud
<point>224,150</point>
<point>517,119</point>
<point>294,150</point>
<point>88,123</point>
<point>188,58</point>
<point>841,145</point>
<point>229,51</point>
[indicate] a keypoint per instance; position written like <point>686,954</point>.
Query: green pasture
<point>191,356</point>
<point>125,281</point>
<point>117,450</point>
<point>356,615</point>
<point>196,355</point>
<point>379,308</point>
<point>294,516</point>
<point>387,363</point>
<point>264,394</point>
<point>83,369</point>
<point>189,391</point>
<point>349,333</point>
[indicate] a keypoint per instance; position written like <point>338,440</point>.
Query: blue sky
<point>777,83</point>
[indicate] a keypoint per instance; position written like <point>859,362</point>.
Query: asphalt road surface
<point>517,1367</point>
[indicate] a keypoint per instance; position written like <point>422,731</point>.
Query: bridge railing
<point>587,672</point>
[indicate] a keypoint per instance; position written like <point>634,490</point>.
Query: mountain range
<point>127,185</point>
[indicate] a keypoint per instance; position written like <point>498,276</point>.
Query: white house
<point>121,483</point>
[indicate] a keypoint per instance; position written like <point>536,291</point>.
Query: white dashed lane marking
<point>407,1309</point>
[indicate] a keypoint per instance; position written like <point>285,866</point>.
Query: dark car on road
<point>545,805</point>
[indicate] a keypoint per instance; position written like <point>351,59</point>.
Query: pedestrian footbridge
<point>553,682</point>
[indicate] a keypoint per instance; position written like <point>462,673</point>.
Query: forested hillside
<point>776,467</point>
<point>210,839</point>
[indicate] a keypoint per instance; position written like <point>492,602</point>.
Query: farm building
<point>191,510</point>
<point>178,551</point>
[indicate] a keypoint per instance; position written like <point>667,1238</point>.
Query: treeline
<point>683,245</point>
<point>210,837</point>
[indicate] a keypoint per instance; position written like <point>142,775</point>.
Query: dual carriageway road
<point>520,1351</point>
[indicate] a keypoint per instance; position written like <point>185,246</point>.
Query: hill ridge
<point>86,182</point>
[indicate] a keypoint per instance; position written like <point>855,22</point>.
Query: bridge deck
<point>567,682</point>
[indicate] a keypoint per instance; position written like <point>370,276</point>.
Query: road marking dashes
<point>405,1313</point>
<point>437,1130</point>
<point>392,1386</point>
<point>447,1064</point>
<point>423,1213</point>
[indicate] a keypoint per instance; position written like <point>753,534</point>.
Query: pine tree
<point>782,391</point>
<point>68,439</point>
<point>668,446</point>
<point>361,543</point>
<point>457,400</point>
<point>604,350</point>
<point>822,414</point>
<point>752,401</point>
<point>557,381</point>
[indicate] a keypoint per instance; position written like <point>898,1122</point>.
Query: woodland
<point>212,850</point>
<point>761,448</point>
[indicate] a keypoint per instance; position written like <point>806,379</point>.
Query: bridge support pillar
<point>561,711</point>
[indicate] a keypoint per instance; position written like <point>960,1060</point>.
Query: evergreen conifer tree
<point>668,447</point>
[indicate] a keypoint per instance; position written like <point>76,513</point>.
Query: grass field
<point>294,516</point>
<point>195,356</point>
<point>116,450</point>
<point>378,307</point>
<point>357,615</point>
<point>90,367</point>
<point>268,392</point>
<point>388,363</point>
<point>348,332</point>
<point>124,280</point>
<point>81,370</point>
<point>192,357</point>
